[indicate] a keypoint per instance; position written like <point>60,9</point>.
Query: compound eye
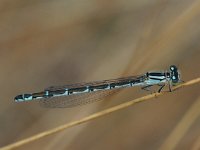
<point>172,68</point>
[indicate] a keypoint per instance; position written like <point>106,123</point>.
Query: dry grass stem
<point>92,117</point>
<point>182,127</point>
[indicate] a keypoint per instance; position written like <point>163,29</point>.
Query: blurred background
<point>57,42</point>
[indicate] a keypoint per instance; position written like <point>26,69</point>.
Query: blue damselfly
<point>83,93</point>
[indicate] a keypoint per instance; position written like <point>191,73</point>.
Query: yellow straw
<point>92,117</point>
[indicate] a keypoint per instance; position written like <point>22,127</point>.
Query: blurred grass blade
<point>93,116</point>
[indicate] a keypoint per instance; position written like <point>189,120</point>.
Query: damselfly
<point>83,93</point>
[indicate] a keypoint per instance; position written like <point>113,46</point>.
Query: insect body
<point>76,94</point>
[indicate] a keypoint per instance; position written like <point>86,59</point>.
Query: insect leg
<point>162,86</point>
<point>147,88</point>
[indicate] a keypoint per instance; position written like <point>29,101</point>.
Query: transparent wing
<point>94,83</point>
<point>84,98</point>
<point>76,100</point>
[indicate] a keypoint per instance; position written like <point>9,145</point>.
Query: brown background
<point>55,42</point>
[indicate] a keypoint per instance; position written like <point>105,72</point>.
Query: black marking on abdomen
<point>120,84</point>
<point>135,81</point>
<point>19,97</point>
<point>56,92</point>
<point>74,90</point>
<point>38,95</point>
<point>98,87</point>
